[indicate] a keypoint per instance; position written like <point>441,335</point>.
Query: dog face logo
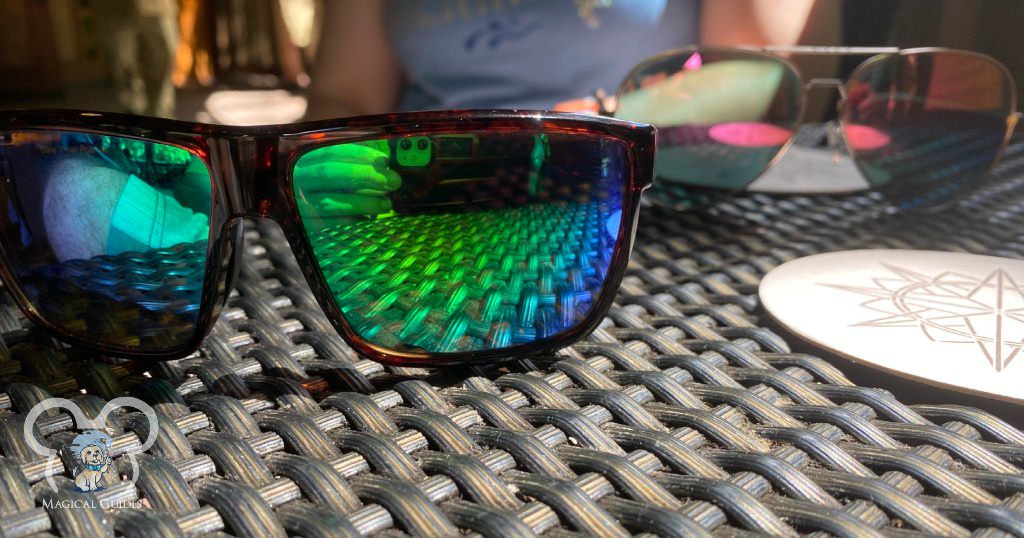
<point>92,450</point>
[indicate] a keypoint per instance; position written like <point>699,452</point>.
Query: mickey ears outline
<point>84,423</point>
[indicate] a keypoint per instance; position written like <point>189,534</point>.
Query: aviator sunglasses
<point>427,238</point>
<point>924,126</point>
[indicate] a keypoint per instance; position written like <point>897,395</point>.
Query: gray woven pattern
<point>680,416</point>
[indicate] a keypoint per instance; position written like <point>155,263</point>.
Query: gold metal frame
<point>875,54</point>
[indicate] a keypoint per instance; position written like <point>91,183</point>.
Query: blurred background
<point>251,61</point>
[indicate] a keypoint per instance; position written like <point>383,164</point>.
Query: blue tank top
<point>527,53</point>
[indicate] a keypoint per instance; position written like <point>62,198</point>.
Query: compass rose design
<point>950,307</point>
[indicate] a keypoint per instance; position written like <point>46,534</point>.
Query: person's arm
<point>774,22</point>
<point>356,71</point>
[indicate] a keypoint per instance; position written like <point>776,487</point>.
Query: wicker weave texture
<point>681,416</point>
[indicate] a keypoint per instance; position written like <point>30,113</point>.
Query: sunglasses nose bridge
<point>253,188</point>
<point>837,83</point>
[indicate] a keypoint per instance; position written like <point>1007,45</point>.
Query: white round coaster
<point>943,318</point>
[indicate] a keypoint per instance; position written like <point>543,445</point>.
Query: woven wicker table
<point>681,416</point>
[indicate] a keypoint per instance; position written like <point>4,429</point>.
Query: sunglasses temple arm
<point>602,99</point>
<point>817,50</point>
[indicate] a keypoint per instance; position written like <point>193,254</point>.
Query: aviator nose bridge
<point>837,83</point>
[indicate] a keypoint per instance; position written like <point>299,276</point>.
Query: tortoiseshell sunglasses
<point>427,238</point>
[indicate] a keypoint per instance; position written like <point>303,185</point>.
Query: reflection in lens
<point>463,242</point>
<point>926,127</point>
<point>106,235</point>
<point>722,116</point>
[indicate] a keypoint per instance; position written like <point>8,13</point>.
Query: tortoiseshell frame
<point>251,177</point>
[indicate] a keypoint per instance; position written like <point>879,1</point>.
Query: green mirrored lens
<point>106,236</point>
<point>463,242</point>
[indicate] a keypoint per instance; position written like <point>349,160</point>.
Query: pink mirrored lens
<point>927,126</point>
<point>722,116</point>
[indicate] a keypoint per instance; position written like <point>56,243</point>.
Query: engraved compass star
<point>950,307</point>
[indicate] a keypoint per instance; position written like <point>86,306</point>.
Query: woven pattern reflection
<point>469,281</point>
<point>136,297</point>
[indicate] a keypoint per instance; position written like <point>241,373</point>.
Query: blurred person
<point>377,56</point>
<point>141,40</point>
